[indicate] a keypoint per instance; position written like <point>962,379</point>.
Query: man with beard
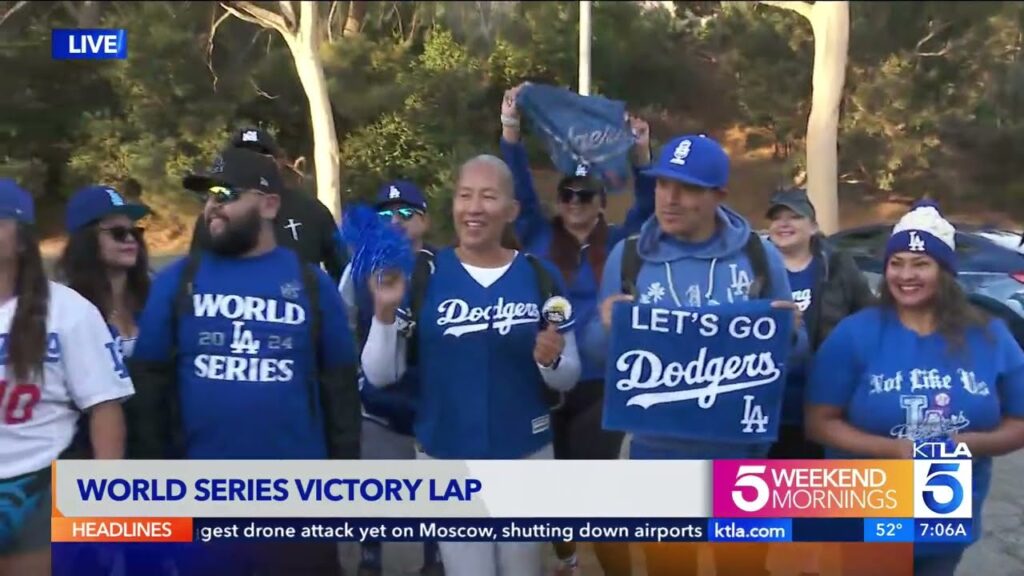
<point>303,223</point>
<point>244,352</point>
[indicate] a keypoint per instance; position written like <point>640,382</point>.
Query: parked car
<point>990,261</point>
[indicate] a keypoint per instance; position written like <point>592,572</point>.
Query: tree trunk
<point>309,67</point>
<point>831,24</point>
<point>354,20</point>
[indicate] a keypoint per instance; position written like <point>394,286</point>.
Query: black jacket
<point>839,290</point>
<point>303,224</point>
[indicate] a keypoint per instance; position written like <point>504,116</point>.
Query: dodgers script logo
<point>460,318</point>
<point>698,373</point>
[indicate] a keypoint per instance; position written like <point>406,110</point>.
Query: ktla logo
<point>942,481</point>
<point>752,477</point>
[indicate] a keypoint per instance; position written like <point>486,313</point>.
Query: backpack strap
<point>761,283</point>
<point>631,263</point>
<point>548,289</point>
<point>312,289</point>
<point>421,274</point>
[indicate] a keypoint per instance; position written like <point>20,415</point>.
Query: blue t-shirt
<point>246,378</point>
<point>893,382</point>
<point>802,285</point>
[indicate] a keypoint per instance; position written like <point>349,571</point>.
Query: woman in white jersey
<point>59,359</point>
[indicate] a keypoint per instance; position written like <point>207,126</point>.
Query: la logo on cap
<point>218,165</point>
<point>115,198</point>
<point>915,244</point>
<point>582,170</point>
<point>263,181</point>
<point>680,153</point>
<point>394,193</point>
<point>250,136</point>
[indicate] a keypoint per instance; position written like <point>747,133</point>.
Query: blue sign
<point>95,44</point>
<point>588,130</point>
<point>714,373</point>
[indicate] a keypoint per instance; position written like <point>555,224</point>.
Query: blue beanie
<point>923,230</point>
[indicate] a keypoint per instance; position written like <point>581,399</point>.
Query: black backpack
<point>754,249</point>
<point>424,268</point>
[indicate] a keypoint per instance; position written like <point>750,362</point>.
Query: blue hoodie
<point>678,274</point>
<point>535,232</point>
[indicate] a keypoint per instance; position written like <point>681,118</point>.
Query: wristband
<point>509,121</point>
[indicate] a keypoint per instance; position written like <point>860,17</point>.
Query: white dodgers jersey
<point>82,367</point>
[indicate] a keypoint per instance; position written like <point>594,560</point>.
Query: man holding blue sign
<point>697,371</point>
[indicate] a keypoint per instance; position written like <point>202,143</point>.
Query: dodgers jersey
<point>82,367</point>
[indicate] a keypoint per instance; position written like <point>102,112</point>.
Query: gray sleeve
<point>383,356</point>
<point>347,289</point>
<point>564,376</point>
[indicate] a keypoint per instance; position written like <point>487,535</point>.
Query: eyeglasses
<point>565,195</point>
<point>122,233</point>
<point>403,213</point>
<point>223,194</point>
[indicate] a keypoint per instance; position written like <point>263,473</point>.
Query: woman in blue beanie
<point>923,365</point>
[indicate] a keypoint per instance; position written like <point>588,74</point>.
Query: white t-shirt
<point>82,367</point>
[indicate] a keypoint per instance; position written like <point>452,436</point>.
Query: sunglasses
<point>122,233</point>
<point>565,195</point>
<point>403,213</point>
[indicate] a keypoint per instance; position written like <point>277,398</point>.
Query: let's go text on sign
<point>91,44</point>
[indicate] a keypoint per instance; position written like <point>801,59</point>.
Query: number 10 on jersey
<point>17,402</point>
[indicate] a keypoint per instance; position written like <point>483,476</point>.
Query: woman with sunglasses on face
<point>578,240</point>
<point>482,384</point>
<point>105,258</point>
<point>59,360</point>
<point>923,365</point>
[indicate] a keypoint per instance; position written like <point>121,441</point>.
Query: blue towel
<point>590,130</point>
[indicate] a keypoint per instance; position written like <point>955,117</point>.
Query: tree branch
<point>260,90</point>
<point>260,16</point>
<point>209,46</point>
<point>802,8</point>
<point>10,11</point>
<point>330,20</point>
<point>289,14</point>
<point>309,23</point>
<point>933,30</point>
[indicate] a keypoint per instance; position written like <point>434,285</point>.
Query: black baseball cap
<point>795,199</point>
<point>256,139</point>
<point>238,168</point>
<point>582,180</point>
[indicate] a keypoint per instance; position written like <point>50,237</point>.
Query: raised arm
<point>643,185</point>
<point>531,221</point>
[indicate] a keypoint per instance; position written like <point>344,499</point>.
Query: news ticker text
<point>513,529</point>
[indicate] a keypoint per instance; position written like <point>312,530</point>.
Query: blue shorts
<point>25,512</point>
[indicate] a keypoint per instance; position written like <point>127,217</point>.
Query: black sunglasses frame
<point>120,234</point>
<point>565,195</point>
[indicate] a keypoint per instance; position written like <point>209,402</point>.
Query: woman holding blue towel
<point>923,365</point>
<point>488,360</point>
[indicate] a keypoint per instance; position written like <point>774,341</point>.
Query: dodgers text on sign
<point>715,373</point>
<point>82,44</point>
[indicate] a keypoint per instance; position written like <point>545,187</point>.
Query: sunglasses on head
<point>566,195</point>
<point>122,233</point>
<point>403,213</point>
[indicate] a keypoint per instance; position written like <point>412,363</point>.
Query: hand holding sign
<point>608,305</point>
<point>642,133</point>
<point>798,316</point>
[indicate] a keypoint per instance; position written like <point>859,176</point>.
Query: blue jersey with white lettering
<point>481,392</point>
<point>893,382</point>
<point>245,363</point>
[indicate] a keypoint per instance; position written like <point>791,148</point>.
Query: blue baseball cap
<point>15,202</point>
<point>400,192</point>
<point>93,203</point>
<point>694,159</point>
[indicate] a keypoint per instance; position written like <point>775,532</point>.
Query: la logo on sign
<point>81,44</point>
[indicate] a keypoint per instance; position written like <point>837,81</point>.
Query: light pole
<point>584,88</point>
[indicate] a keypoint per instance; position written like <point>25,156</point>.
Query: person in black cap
<point>303,223</point>
<point>827,287</point>
<point>244,352</point>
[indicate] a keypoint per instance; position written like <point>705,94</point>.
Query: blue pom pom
<point>375,245</point>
